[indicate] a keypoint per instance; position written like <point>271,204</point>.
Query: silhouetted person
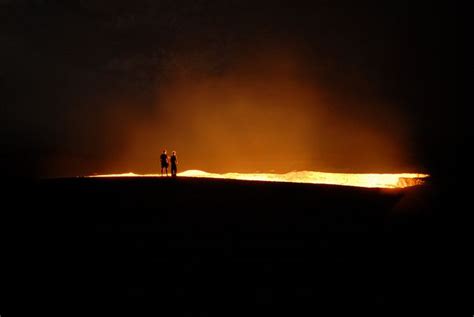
<point>164,162</point>
<point>174,164</point>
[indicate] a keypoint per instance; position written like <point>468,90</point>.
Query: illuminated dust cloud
<point>265,112</point>
<point>369,180</point>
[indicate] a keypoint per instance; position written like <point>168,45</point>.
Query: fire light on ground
<point>371,180</point>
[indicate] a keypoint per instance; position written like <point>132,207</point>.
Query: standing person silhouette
<point>174,164</point>
<point>164,162</point>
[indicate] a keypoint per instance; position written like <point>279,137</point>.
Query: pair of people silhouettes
<point>165,161</point>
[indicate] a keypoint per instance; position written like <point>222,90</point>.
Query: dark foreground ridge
<point>202,247</point>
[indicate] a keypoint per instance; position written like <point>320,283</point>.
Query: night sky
<point>98,86</point>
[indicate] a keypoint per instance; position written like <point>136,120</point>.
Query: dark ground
<point>199,247</point>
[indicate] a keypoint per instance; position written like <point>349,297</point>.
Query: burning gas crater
<point>370,180</point>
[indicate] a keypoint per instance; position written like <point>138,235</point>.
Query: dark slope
<point>215,247</point>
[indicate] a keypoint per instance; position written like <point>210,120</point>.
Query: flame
<point>371,180</point>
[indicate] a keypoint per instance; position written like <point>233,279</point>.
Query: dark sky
<point>97,86</point>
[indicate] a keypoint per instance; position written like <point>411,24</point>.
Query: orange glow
<point>370,180</point>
